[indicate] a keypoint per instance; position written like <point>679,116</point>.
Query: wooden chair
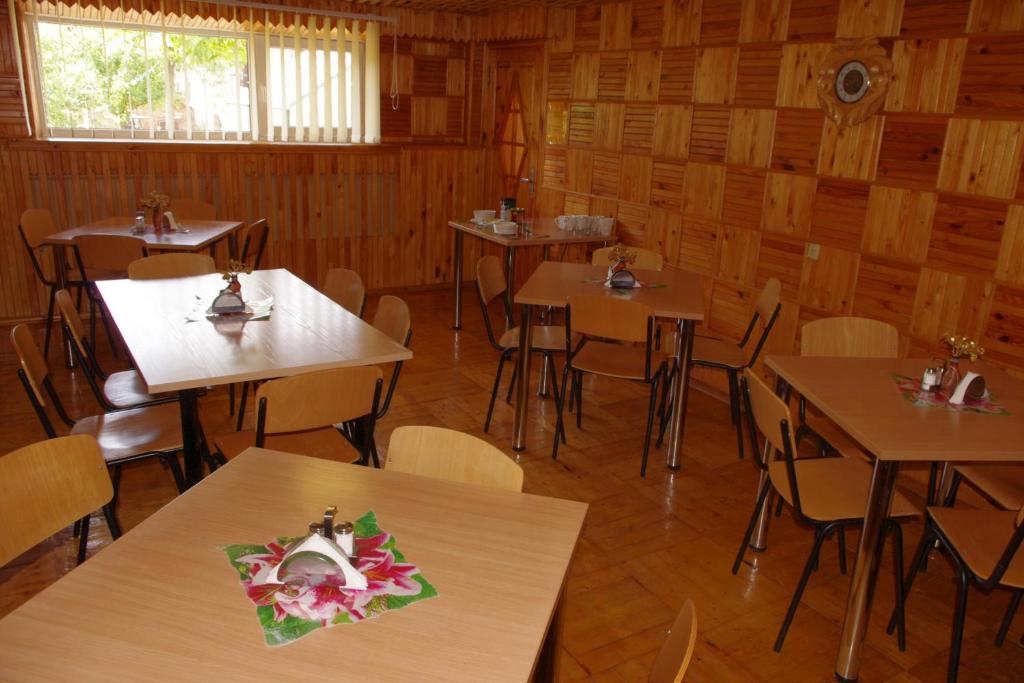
<point>843,337</point>
<point>734,357</point>
<point>171,265</point>
<point>982,545</point>
<point>393,318</point>
<point>105,257</point>
<point>546,339</point>
<point>345,287</point>
<point>826,493</point>
<point>123,389</point>
<point>255,243</point>
<point>452,455</point>
<point>645,258</point>
<point>124,435</point>
<point>674,657</point>
<point>192,209</point>
<point>298,414</point>
<point>34,227</point>
<point>46,486</point>
<point>614,338</point>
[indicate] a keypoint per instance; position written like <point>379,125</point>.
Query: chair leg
<point>115,481</point>
<point>841,542</point>
<point>512,383</point>
<point>242,401</point>
<point>652,404</point>
<point>553,374</point>
<point>915,566</point>
<point>49,322</point>
<point>83,539</point>
<point>92,321</point>
<point>112,523</point>
<point>819,536</point>
<point>901,610</point>
<point>1011,610</point>
<point>954,488</point>
<point>762,497</point>
<point>666,406</point>
<point>172,463</point>
<point>579,399</point>
<point>958,626</point>
<point>734,407</point>
<point>778,508</point>
<point>494,391</point>
<point>559,405</point>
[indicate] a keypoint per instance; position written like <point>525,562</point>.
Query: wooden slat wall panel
<point>916,216</point>
<point>326,207</point>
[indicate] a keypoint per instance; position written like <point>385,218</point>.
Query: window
<point>105,73</point>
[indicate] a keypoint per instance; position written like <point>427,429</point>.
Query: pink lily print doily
<point>287,613</point>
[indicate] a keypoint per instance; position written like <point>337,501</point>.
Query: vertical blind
<point>136,70</point>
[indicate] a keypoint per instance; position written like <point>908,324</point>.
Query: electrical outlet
<point>813,251</point>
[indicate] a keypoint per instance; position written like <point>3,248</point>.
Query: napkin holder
<point>315,543</point>
<point>970,388</point>
<point>227,301</point>
<point>622,279</point>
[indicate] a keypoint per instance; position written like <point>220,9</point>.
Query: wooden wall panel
<point>916,216</point>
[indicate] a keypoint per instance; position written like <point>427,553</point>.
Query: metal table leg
<point>191,434</point>
<point>457,279</point>
<point>865,570</point>
<point>680,392</point>
<point>510,282</point>
<point>523,379</point>
<point>542,384</point>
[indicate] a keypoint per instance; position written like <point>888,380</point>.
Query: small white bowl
<point>483,215</point>
<point>505,228</point>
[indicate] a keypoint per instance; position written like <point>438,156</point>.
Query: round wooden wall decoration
<point>853,80</point>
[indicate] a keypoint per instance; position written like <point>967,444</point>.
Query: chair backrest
<point>601,316</point>
<point>171,265</point>
<point>768,300</point>
<point>255,243</point>
<point>676,652</point>
<point>108,252</point>
<point>849,337</point>
<point>318,399</point>
<point>46,486</point>
<point>452,455</point>
<point>192,209</point>
<point>36,225</point>
<point>769,411</point>
<point>73,321</point>
<point>31,360</point>
<point>490,278</point>
<point>645,258</point>
<point>345,287</point>
<point>392,317</point>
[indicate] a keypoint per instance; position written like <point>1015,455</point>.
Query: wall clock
<point>852,81</point>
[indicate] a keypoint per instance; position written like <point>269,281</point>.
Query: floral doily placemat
<point>623,291</point>
<point>910,388</point>
<point>287,613</point>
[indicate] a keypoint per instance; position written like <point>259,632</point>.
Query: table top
<point>306,331</point>
<point>554,282</point>
<point>860,395</point>
<point>544,232</point>
<point>164,597</point>
<point>200,233</point>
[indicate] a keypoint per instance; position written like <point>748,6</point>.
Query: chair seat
<point>980,537</point>
<point>544,338</point>
<point>718,352</point>
<point>616,360</point>
<point>127,389</point>
<point>125,434</point>
<point>833,488</point>
<point>326,443</point>
<point>1003,483</point>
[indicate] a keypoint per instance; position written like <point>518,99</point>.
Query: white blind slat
<point>357,84</point>
<point>314,82</point>
<point>372,80</point>
<point>342,81</point>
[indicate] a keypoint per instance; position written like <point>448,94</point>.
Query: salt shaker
<point>344,536</point>
<point>930,378</point>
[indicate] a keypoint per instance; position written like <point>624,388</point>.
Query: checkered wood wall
<point>697,125</point>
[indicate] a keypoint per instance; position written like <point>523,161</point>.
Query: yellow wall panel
<point>788,204</point>
<point>762,21</point>
<point>672,130</point>
<point>715,76</point>
<point>616,29</point>
<point>1010,266</point>
<point>798,74</point>
<point>926,75</point>
<point>751,132</point>
<point>851,151</point>
<point>682,23</point>
<point>899,223</point>
<point>828,283</point>
<point>982,157</point>
<point>869,18</point>
<point>703,188</point>
<point>644,77</point>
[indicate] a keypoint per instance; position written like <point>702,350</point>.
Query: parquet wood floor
<point>648,543</point>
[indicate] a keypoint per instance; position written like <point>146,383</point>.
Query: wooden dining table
<point>673,294</point>
<point>862,397</point>
<point>163,602</point>
<point>176,348</point>
<point>544,233</point>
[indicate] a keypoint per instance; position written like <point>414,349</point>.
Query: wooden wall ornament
<point>853,80</point>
